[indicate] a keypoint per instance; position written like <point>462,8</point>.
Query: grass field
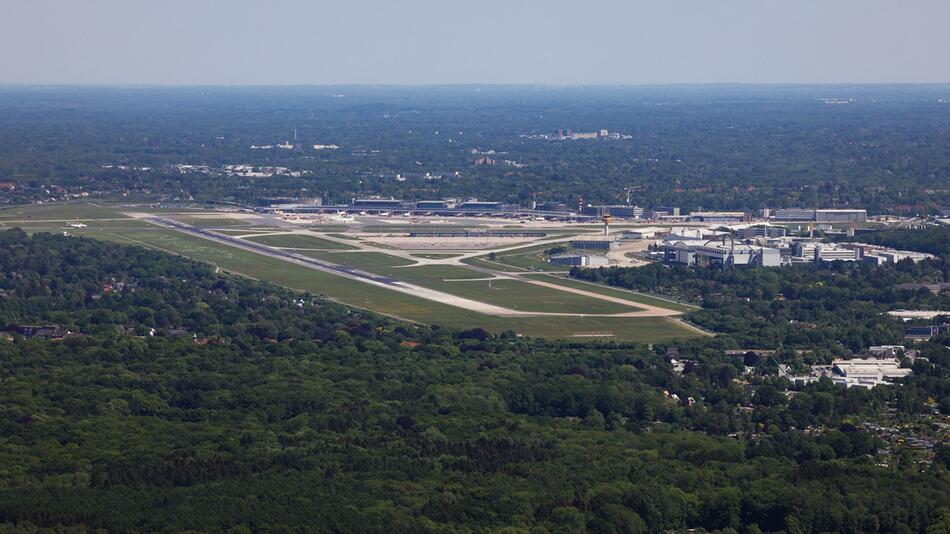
<point>62,211</point>
<point>611,291</point>
<point>243,231</point>
<point>522,259</point>
<point>523,296</point>
<point>59,226</point>
<point>519,295</point>
<point>370,261</point>
<point>213,222</point>
<point>435,256</point>
<point>646,329</point>
<point>299,241</point>
<point>467,283</point>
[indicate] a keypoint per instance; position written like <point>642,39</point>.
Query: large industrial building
<point>704,253</point>
<point>820,215</point>
<point>595,244</point>
<point>725,255</point>
<point>648,232</point>
<point>579,260</point>
<point>718,216</point>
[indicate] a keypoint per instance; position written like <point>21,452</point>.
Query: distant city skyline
<point>418,42</point>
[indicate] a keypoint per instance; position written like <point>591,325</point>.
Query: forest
<point>184,399</point>
<point>704,147</point>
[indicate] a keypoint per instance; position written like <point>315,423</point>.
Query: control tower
<point>607,220</point>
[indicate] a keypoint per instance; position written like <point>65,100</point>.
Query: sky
<point>558,42</point>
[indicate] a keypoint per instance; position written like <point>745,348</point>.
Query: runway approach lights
<point>607,220</point>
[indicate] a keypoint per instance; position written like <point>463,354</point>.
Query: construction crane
<point>630,190</point>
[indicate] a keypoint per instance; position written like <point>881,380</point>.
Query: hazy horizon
<point>425,42</point>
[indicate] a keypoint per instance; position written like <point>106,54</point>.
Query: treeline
<point>704,147</point>
<point>933,240</point>
<point>283,412</point>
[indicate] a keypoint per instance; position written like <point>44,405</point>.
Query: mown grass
<point>385,301</point>
<point>299,241</point>
<point>611,291</point>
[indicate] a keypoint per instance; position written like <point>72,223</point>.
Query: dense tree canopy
<point>253,407</point>
<point>887,149</point>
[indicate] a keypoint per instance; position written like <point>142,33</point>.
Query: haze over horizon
<point>420,42</point>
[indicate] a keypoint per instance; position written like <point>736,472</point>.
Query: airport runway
<point>390,283</point>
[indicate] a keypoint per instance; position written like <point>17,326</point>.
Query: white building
<point>648,232</point>
<point>720,255</point>
<point>867,372</point>
<point>808,251</point>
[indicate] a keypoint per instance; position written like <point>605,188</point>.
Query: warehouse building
<point>595,244</point>
<point>718,216</point>
<point>841,215</point>
<point>648,232</point>
<point>820,215</point>
<point>579,260</point>
<point>721,255</point>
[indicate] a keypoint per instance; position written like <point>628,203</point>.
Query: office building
<point>625,212</point>
<point>923,333</point>
<point>808,251</point>
<point>867,372</point>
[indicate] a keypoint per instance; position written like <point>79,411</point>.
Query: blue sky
<point>279,42</point>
